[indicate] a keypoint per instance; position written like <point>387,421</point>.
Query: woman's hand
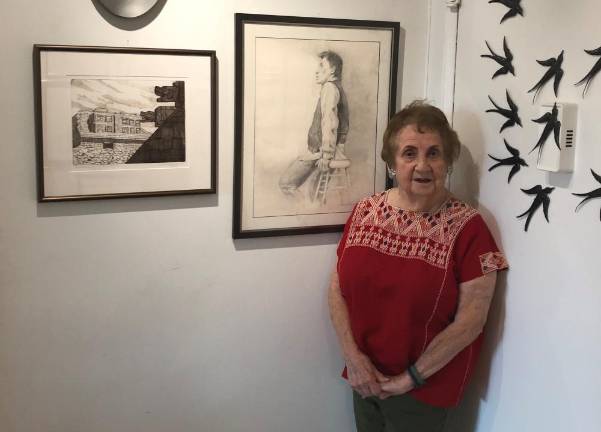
<point>396,385</point>
<point>363,376</point>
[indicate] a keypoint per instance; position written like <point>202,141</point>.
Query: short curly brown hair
<point>424,117</point>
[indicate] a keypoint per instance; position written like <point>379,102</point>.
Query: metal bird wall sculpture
<point>552,125</point>
<point>514,161</point>
<point>504,62</point>
<point>589,77</point>
<point>511,113</point>
<point>555,71</point>
<point>596,193</point>
<point>541,198</point>
<point>514,8</point>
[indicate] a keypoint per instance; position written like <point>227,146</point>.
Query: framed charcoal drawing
<point>313,98</point>
<point>124,122</point>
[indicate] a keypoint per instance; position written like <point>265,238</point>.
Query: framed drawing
<point>313,98</point>
<point>124,122</point>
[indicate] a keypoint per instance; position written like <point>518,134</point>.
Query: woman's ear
<point>391,172</point>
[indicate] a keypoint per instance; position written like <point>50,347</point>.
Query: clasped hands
<point>368,381</point>
<point>323,164</point>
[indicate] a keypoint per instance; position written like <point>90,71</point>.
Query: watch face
<point>128,8</point>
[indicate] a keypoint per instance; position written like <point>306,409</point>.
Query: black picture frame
<point>189,150</point>
<point>327,27</point>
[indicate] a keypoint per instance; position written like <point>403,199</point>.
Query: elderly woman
<point>413,284</point>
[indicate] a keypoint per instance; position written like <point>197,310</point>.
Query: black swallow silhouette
<point>505,62</point>
<point>510,114</point>
<point>552,124</point>
<point>590,195</point>
<point>588,78</point>
<point>514,8</point>
<point>555,71</point>
<point>515,161</point>
<point>542,197</point>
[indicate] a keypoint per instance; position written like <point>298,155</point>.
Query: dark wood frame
<point>242,19</point>
<point>37,50</point>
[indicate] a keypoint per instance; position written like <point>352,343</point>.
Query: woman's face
<point>419,162</point>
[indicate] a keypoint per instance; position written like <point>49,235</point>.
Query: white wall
<point>143,314</point>
<point>540,369</point>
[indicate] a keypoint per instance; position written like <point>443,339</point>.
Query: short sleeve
<point>476,252</point>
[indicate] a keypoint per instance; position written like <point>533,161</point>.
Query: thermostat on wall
<point>550,157</point>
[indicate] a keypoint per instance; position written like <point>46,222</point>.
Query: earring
<point>450,170</point>
<point>391,172</point>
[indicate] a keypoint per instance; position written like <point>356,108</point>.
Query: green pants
<point>397,414</point>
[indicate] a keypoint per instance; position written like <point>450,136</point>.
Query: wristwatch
<point>418,380</point>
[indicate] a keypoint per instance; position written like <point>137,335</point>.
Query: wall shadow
<point>287,241</point>
<point>400,70</point>
<point>562,180</point>
<point>124,205</point>
<point>465,417</point>
<point>465,182</point>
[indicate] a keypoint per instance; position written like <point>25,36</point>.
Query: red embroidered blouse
<point>399,274</point>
